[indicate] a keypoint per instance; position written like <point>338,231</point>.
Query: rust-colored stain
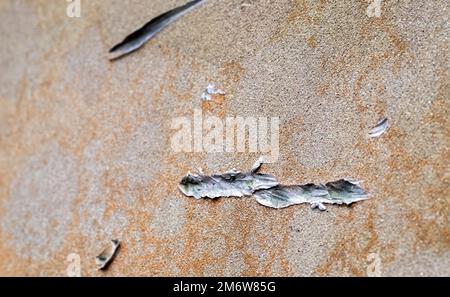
<point>85,152</point>
<point>312,42</point>
<point>215,105</point>
<point>301,12</point>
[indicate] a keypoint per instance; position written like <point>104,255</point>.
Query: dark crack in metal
<point>230,184</point>
<point>103,260</point>
<point>138,38</point>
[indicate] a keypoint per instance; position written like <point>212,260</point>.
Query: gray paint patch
<point>141,154</point>
<point>80,75</point>
<point>425,264</point>
<point>134,163</point>
<point>37,214</point>
<point>308,247</point>
<point>93,206</point>
<point>290,92</point>
<point>168,219</point>
<point>235,264</point>
<point>20,62</point>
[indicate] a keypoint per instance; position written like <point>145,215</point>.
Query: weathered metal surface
<point>84,143</point>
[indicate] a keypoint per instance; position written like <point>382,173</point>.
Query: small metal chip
<point>104,259</point>
<point>379,129</point>
<point>137,39</point>
<point>210,91</point>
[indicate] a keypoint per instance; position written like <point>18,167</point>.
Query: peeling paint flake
<point>137,39</point>
<point>210,91</point>
<point>320,206</point>
<point>230,184</point>
<point>346,191</point>
<point>379,129</point>
<point>104,259</point>
<point>338,192</point>
<point>267,190</point>
<point>285,196</point>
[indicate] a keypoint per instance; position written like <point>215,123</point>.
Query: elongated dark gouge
<point>138,38</point>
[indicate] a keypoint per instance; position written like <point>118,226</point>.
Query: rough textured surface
<point>85,154</point>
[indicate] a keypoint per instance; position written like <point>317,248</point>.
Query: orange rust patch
<point>322,89</point>
<point>312,42</point>
<point>215,105</point>
<point>232,71</point>
<point>299,12</point>
<point>351,251</point>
